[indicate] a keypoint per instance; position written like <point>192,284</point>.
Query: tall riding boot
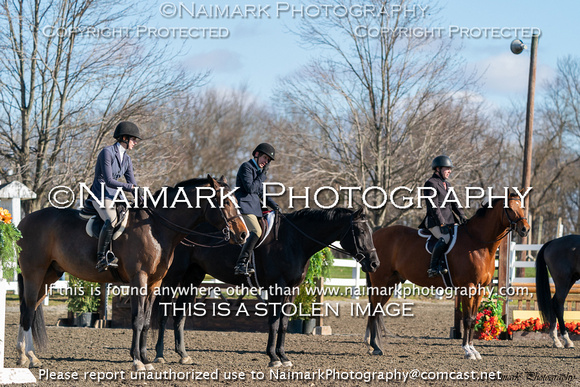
<point>105,237</point>
<point>241,267</point>
<point>435,268</point>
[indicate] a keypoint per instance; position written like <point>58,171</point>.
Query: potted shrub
<point>83,301</point>
<point>318,268</point>
<point>9,250</point>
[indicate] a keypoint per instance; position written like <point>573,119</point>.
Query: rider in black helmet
<point>438,218</point>
<point>250,177</point>
<point>112,163</point>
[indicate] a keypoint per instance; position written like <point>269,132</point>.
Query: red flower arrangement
<point>488,322</point>
<point>535,325</point>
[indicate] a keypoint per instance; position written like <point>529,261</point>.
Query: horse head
<point>359,242</point>
<point>233,222</point>
<point>514,214</point>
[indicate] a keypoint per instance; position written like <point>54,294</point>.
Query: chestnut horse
<point>280,263</point>
<point>471,262</point>
<point>562,257</point>
<point>54,241</point>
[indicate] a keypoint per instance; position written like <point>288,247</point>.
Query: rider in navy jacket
<point>439,217</point>
<point>251,176</point>
<point>113,162</point>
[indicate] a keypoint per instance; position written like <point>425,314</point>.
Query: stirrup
<point>243,269</point>
<point>109,260</point>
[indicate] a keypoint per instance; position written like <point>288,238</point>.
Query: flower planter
<point>526,335</point>
<point>86,319</point>
<point>295,326</point>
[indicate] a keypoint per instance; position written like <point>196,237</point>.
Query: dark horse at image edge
<point>54,241</point>
<point>562,257</point>
<point>281,262</point>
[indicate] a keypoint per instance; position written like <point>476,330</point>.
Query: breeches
<point>252,224</point>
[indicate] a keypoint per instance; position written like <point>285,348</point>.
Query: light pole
<point>517,46</point>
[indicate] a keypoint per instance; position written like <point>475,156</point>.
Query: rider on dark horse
<point>249,181</point>
<point>440,218</point>
<point>112,163</point>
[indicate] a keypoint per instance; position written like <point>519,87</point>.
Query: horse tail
<point>543,292</point>
<point>38,327</point>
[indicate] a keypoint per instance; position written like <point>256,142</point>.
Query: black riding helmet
<point>126,128</point>
<point>441,161</point>
<point>266,149</point>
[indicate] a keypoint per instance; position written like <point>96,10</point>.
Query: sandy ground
<point>417,351</point>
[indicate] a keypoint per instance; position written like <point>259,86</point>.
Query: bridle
<point>359,254</point>
<point>223,234</point>
<point>512,226</point>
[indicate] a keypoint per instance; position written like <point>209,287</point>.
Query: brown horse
<point>54,241</point>
<point>471,262</point>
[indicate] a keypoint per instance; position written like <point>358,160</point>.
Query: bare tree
<point>379,107</point>
<point>65,84</point>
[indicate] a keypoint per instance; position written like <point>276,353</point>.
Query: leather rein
<point>358,256</point>
<point>512,227</point>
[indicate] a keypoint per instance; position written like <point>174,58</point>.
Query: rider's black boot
<point>241,267</point>
<point>105,237</point>
<point>435,267</point>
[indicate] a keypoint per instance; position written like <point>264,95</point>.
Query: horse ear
<point>223,179</point>
<point>358,213</point>
<point>212,181</point>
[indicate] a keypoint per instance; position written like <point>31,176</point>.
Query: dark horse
<point>281,262</point>
<point>562,257</point>
<point>403,257</point>
<point>54,241</point>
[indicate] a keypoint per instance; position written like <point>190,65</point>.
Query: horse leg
<point>375,322</point>
<point>31,317</point>
<point>282,336</point>
<point>178,329</point>
<point>138,319</point>
<point>558,305</point>
<point>273,326</point>
<point>162,322</point>
<point>469,307</point>
<point>146,325</point>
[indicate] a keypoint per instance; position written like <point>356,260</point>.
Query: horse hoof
<point>275,364</point>
<point>470,356</point>
<point>557,344</point>
<point>138,366</point>
<point>149,367</point>
<point>186,360</point>
<point>35,364</point>
<point>159,360</point>
<point>22,362</point>
<point>569,345</point>
<point>287,363</point>
<point>377,352</point>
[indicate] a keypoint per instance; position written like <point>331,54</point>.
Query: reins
<point>224,234</point>
<point>505,233</point>
<point>358,256</point>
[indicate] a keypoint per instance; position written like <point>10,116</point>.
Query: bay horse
<point>281,262</point>
<point>562,257</point>
<point>54,241</point>
<point>403,256</point>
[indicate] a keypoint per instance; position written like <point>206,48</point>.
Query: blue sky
<point>260,50</point>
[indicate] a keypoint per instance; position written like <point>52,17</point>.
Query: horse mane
<point>485,208</point>
<point>332,214</point>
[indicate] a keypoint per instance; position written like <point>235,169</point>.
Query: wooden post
<point>320,328</point>
<point>502,276</point>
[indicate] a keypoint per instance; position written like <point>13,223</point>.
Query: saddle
<point>430,244</point>
<point>267,224</point>
<point>95,223</point>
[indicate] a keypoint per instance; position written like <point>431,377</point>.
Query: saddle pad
<point>270,218</point>
<point>95,223</point>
